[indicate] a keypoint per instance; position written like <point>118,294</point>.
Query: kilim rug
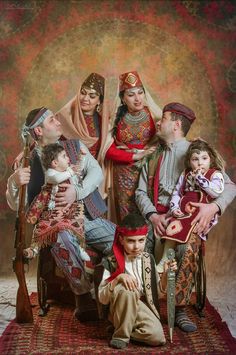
<point>60,333</point>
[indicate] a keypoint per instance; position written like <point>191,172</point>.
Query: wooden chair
<point>51,283</point>
<point>200,280</point>
<point>102,309</point>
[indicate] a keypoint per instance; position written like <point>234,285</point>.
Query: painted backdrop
<point>184,51</point>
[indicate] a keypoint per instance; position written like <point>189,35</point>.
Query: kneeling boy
<point>130,286</point>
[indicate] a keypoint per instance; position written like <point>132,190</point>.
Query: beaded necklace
<point>134,119</point>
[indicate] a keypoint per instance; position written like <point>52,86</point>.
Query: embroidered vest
<point>94,128</point>
<point>208,176</point>
<point>149,279</point>
<point>154,164</point>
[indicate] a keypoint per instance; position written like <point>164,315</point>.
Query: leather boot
<point>86,309</point>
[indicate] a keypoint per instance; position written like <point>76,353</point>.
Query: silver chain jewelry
<point>134,119</point>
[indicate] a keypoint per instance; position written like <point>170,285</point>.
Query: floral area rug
<point>60,333</point>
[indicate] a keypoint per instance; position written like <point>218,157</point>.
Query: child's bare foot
<point>29,253</point>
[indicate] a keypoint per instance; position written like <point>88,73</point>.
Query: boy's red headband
<point>132,232</point>
<point>118,249</point>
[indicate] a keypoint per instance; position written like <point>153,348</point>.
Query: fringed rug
<point>60,333</point>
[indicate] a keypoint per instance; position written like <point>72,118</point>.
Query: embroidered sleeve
<point>56,177</point>
<point>12,193</point>
<point>227,195</point>
<point>119,155</point>
<point>142,199</point>
<point>213,187</point>
<point>92,177</point>
<point>176,195</point>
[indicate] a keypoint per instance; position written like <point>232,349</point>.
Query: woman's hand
<point>124,147</point>
<point>140,154</point>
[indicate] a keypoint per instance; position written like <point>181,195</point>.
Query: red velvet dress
<point>132,132</point>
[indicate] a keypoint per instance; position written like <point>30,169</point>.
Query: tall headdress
<point>129,80</point>
<point>95,82</point>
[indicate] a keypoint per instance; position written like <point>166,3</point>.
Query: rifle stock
<point>23,307</point>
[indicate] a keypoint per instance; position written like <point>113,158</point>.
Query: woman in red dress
<point>131,140</point>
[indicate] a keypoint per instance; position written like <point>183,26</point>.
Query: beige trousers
<point>133,319</point>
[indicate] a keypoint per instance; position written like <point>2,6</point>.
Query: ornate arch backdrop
<point>184,51</point>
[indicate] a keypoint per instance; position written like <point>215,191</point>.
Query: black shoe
<point>110,328</point>
<point>118,344</point>
<point>86,315</point>
<point>86,308</point>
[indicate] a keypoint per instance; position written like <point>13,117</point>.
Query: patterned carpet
<point>60,333</point>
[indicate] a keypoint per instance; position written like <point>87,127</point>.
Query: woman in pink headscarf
<point>86,116</point>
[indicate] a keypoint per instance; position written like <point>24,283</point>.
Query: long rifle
<point>23,307</point>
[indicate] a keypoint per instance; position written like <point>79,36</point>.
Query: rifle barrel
<point>23,307</point>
